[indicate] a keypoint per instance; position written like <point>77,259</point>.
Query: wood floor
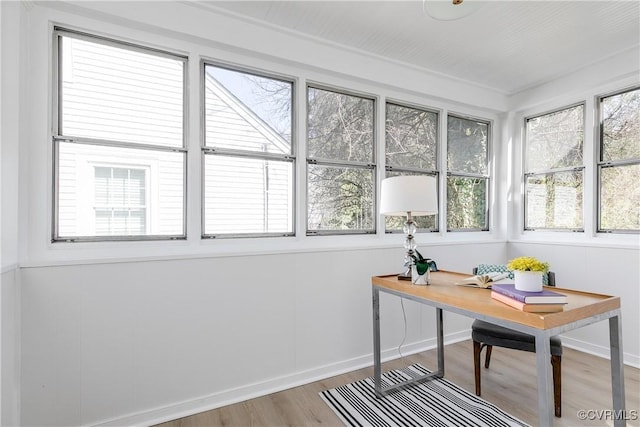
<point>510,383</point>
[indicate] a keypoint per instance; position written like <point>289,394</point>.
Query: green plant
<point>526,263</point>
<point>422,264</point>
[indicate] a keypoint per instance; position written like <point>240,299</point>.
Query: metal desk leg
<point>376,342</point>
<point>617,370</point>
<point>377,368</point>
<point>545,379</point>
<point>439,325</point>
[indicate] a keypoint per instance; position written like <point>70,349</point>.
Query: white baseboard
<point>250,391</point>
<point>9,267</point>
<point>599,350</point>
<point>240,394</point>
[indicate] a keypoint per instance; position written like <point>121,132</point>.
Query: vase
<point>419,279</point>
<point>528,281</point>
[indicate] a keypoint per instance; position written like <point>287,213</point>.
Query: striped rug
<point>436,403</point>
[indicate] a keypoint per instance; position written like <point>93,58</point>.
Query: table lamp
<point>414,195</point>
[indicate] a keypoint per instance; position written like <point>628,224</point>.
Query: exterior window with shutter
<point>120,201</point>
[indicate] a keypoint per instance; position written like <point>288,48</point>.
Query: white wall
<point>603,270</point>
<point>11,14</point>
<point>10,345</point>
<point>104,341</point>
<point>10,36</point>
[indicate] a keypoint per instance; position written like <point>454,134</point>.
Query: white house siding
<point>243,195</point>
<point>165,199</point>
<point>120,95</point>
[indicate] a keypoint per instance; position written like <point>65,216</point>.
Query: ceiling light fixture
<point>449,10</point>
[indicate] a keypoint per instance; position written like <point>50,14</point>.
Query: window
<point>248,155</point>
<point>467,174</point>
<point>340,163</point>
<point>553,178</point>
<point>120,201</point>
<point>619,162</point>
<point>411,149</point>
<point>122,106</point>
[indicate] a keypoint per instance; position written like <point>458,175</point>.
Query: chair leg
<point>487,357</point>
<point>557,384</point>
<point>477,348</point>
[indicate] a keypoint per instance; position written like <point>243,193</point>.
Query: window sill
<point>604,240</point>
<point>79,253</point>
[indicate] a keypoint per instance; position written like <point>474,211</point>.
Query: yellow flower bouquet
<point>527,263</point>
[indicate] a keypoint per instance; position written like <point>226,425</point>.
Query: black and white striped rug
<point>436,403</point>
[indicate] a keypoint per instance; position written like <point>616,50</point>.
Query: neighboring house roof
<point>244,116</point>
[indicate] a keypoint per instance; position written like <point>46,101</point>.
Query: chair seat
<point>490,334</point>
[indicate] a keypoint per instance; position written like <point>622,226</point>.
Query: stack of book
<point>545,301</point>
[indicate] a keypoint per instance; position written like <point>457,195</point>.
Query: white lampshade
<point>415,194</point>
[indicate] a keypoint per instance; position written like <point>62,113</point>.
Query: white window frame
<point>58,137</point>
<point>416,171</point>
<point>601,164</point>
<point>372,166</point>
<point>255,155</point>
<point>526,173</point>
<point>461,174</point>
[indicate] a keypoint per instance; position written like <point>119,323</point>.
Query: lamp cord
<point>404,337</point>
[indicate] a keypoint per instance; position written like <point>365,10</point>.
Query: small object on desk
<point>483,280</point>
<point>530,308</point>
<point>545,296</point>
<point>420,268</point>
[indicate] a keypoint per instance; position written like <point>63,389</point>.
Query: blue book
<point>543,297</point>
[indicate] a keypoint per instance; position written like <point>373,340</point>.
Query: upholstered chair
<point>487,335</point>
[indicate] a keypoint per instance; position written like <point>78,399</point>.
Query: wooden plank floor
<point>510,383</point>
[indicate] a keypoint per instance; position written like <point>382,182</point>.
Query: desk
<point>582,309</point>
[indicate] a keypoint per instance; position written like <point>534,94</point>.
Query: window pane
<point>247,196</point>
<point>119,191</point>
<point>467,203</point>
<point>621,126</point>
<point>467,145</point>
<point>110,222</point>
<point>119,187</point>
<point>118,94</point>
<point>411,137</point>
<point>119,201</point>
<point>247,112</point>
<point>620,198</point>
<point>554,200</point>
<point>555,140</point>
<point>340,198</point>
<point>339,126</point>
<point>395,223</point>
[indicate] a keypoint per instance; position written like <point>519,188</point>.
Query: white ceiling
<point>508,46</point>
